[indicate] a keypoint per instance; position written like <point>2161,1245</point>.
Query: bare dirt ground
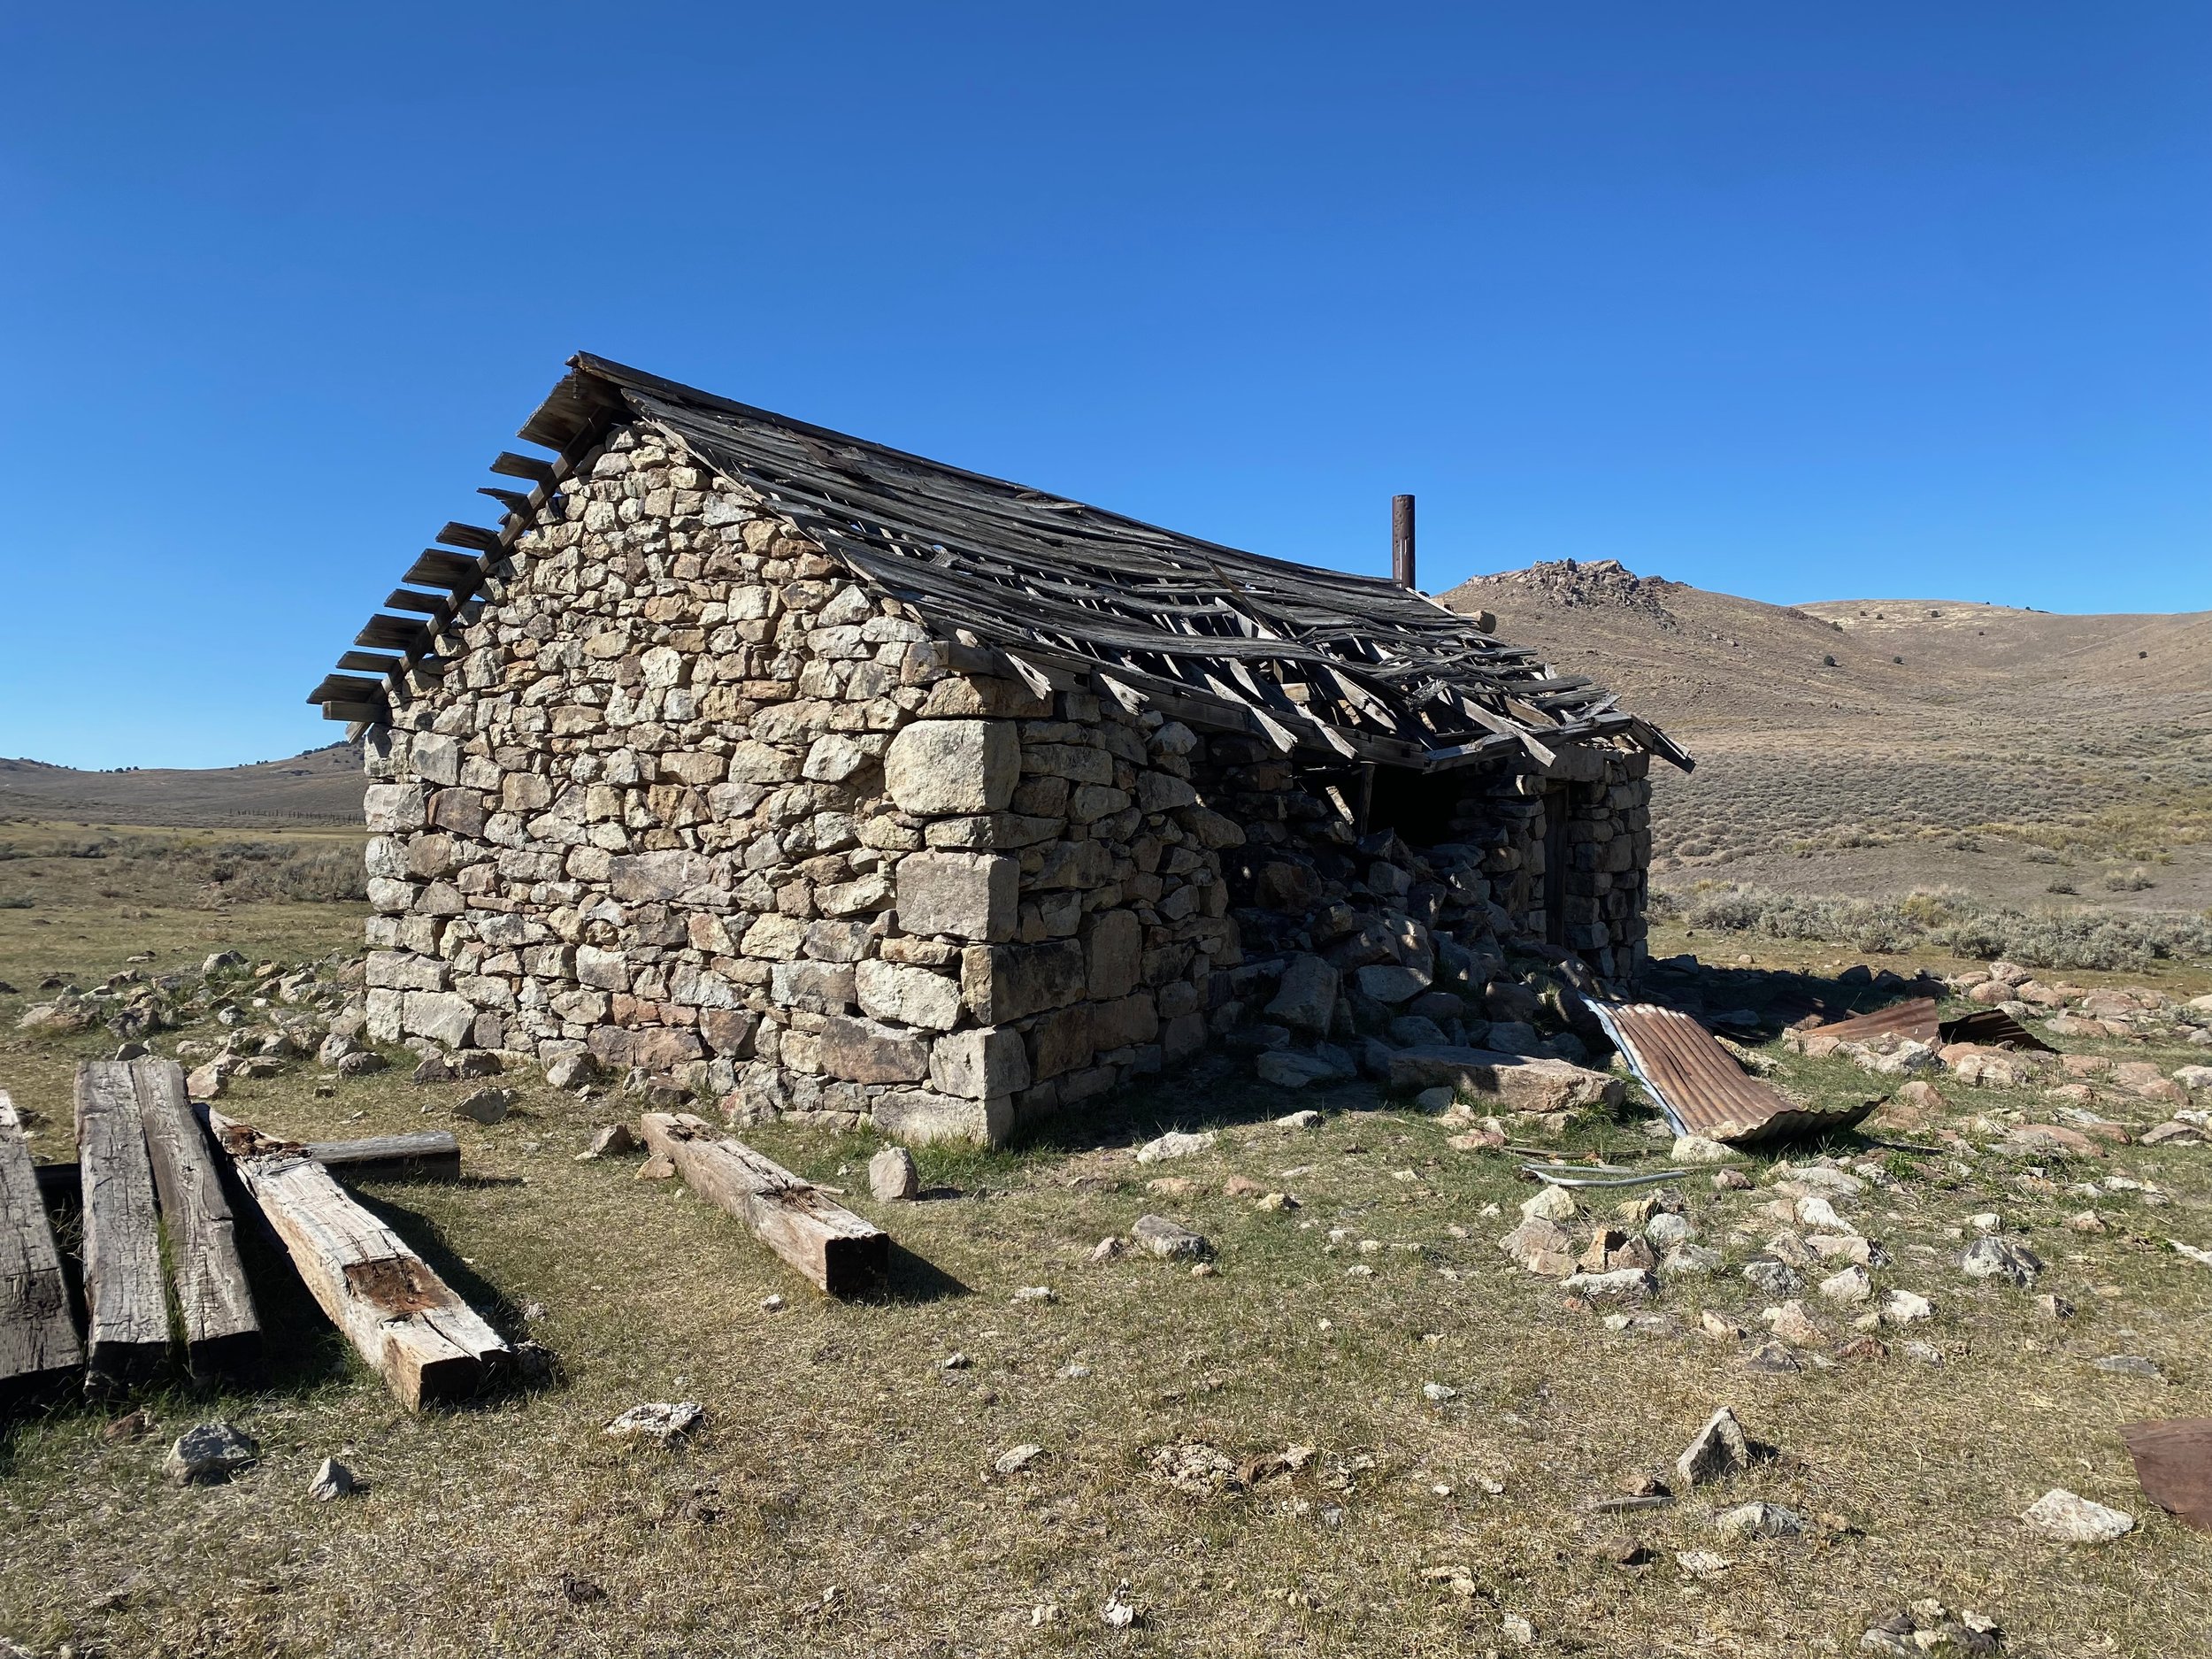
<point>322,786</point>
<point>2022,756</point>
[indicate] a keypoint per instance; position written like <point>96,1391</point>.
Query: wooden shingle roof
<point>1351,666</point>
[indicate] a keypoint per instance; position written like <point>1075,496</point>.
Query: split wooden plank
<point>128,1331</point>
<point>414,1329</point>
<point>836,1250</point>
<point>222,1331</point>
<point>38,1330</point>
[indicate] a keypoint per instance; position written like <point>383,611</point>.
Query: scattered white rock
<point>1175,1144</point>
<point>1036,1293</point>
<point>1702,1563</point>
<point>1017,1458</point>
<point>1903,1307</point>
<point>1119,1613</point>
<point>659,1421</point>
<point>1307,1119</point>
<point>1436,1392</point>
<point>1553,1203</point>
<point>1850,1285</point>
<point>2073,1519</point>
<point>1697,1149</point>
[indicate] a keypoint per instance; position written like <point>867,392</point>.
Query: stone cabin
<point>824,779</point>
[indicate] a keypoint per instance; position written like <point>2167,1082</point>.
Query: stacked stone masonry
<point>681,794</point>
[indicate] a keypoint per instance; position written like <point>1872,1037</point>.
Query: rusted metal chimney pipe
<point>1402,541</point>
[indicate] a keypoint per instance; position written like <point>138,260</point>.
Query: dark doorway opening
<point>1555,864</point>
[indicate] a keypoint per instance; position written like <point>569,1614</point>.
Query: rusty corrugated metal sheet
<point>1993,1027</point>
<point>1916,1019</point>
<point>1699,1084</point>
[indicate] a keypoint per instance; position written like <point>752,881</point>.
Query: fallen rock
<point>1697,1149</point>
<point>1903,1307</point>
<point>1719,1451</point>
<point>1793,1324</point>
<point>1287,1068</point>
<point>1773,1359</point>
<point>2073,1519</point>
<point>659,1421</point>
<point>487,1105</point>
<point>1627,1281</point>
<point>2001,1259</point>
<point>611,1140</point>
<point>1518,1082</point>
<point>2131,1365</point>
<point>1759,1520</point>
<point>1775,1277</point>
<point>1169,1240</point>
<point>892,1176</point>
<point>210,1453</point>
<point>1175,1144</point>
<point>333,1480</point>
<point>1850,1285</point>
<point>1552,1204</point>
<point>574,1070</point>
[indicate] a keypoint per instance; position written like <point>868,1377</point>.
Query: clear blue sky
<point>1797,301</point>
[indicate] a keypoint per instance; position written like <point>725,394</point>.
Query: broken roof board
<point>1354,667</point>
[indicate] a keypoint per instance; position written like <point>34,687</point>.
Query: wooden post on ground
<point>426,1342</point>
<point>836,1249</point>
<point>222,1333</point>
<point>38,1330</point>
<point>128,1331</point>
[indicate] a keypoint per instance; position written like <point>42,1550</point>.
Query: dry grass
<point>841,1499</point>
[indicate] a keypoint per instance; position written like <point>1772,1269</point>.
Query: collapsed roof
<point>1343,667</point>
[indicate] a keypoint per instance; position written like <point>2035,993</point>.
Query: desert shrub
<point>15,902</point>
<point>1955,923</point>
<point>2127,880</point>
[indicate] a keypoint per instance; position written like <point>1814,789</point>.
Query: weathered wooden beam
<point>127,1332</point>
<point>432,1156</point>
<point>837,1250</point>
<point>222,1333</point>
<point>38,1330</point>
<point>426,1342</point>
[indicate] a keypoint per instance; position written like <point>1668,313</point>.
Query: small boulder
<point>210,1453</point>
<point>892,1176</point>
<point>611,1140</point>
<point>363,1064</point>
<point>1719,1451</point>
<point>1169,1240</point>
<point>1759,1520</point>
<point>1994,1257</point>
<point>1175,1144</point>
<point>1697,1149</point>
<point>2073,1519</point>
<point>1017,1458</point>
<point>333,1480</point>
<point>1553,1203</point>
<point>574,1070</point>
<point>659,1421</point>
<point>487,1105</point>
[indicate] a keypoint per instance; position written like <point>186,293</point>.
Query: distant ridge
<point>321,787</point>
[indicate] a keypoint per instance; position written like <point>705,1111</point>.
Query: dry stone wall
<point>684,796</point>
